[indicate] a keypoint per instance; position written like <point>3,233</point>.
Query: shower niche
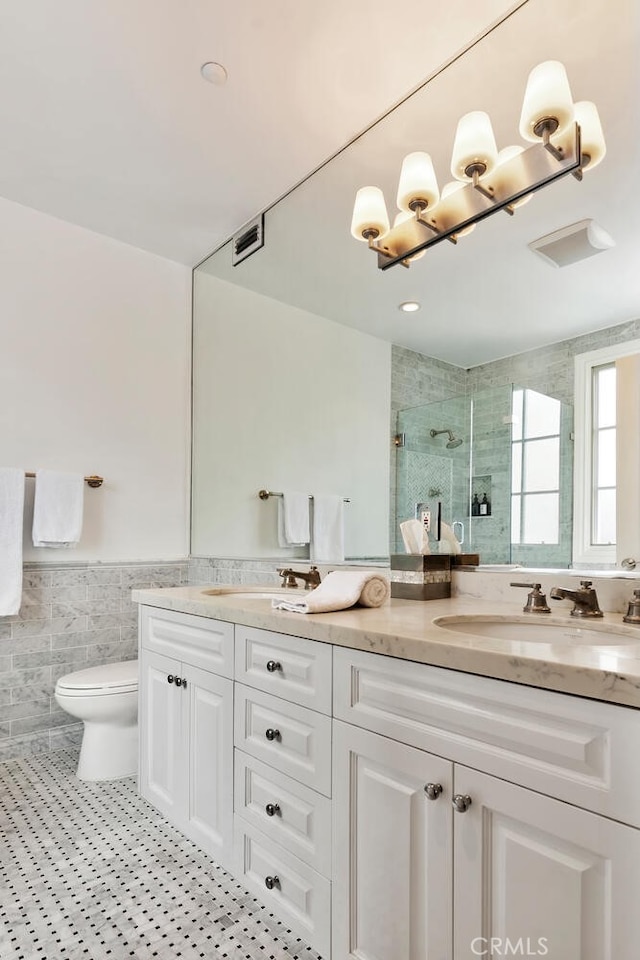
<point>500,463</point>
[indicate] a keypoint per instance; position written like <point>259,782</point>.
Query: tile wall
<point>72,616</point>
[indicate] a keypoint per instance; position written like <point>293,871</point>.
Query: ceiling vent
<point>248,240</point>
<point>575,242</point>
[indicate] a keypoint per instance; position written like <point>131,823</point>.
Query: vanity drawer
<point>290,738</point>
<point>299,896</point>
<point>286,811</point>
<point>199,641</point>
<point>291,667</point>
<point>578,750</point>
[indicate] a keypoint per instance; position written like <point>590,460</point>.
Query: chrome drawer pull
<point>272,809</point>
<point>461,802</point>
<point>273,666</point>
<point>433,790</point>
<point>271,882</point>
<point>272,734</point>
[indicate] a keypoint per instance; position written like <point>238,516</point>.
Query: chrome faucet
<point>289,577</point>
<point>585,600</point>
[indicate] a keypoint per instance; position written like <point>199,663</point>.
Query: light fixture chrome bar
<point>530,170</point>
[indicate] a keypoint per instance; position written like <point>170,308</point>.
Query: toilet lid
<point>110,676</point>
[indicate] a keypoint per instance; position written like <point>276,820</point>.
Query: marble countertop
<point>406,629</point>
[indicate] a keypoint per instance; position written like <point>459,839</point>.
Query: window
<point>535,468</point>
<point>603,455</point>
<point>596,479</point>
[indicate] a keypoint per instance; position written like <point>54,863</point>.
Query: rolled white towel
<point>339,590</point>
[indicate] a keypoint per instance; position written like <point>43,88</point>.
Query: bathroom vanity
<point>399,790</point>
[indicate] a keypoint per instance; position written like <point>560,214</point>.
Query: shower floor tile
<point>92,872</point>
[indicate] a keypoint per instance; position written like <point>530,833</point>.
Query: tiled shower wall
<point>72,616</point>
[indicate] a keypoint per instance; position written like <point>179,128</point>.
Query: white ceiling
<point>107,123</point>
<point>489,296</point>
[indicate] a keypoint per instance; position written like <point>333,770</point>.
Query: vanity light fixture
<point>409,306</point>
<point>566,139</point>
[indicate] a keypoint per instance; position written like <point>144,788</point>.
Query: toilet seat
<point>105,680</point>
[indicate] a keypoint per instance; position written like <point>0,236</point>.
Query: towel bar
<point>265,494</point>
<point>93,481</point>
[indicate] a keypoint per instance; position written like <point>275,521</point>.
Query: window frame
<point>583,550</point>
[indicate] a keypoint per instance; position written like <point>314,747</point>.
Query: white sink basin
<point>536,629</point>
<point>255,593</point>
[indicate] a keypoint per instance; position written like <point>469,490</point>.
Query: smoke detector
<point>573,243</point>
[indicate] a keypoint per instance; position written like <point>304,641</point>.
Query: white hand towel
<point>327,540</point>
<point>57,509</point>
<point>11,521</point>
<point>338,591</point>
<point>293,519</point>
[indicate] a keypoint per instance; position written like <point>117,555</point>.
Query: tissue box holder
<point>416,577</point>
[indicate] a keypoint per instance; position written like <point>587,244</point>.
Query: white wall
<point>284,399</point>
<point>94,378</point>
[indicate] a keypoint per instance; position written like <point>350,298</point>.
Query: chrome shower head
<point>452,443</point>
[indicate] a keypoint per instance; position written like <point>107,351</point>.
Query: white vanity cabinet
<point>530,871</point>
<point>186,725</point>
<point>389,810</point>
<point>283,778</point>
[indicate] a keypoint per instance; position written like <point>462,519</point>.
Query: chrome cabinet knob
<point>461,802</point>
<point>433,790</point>
<point>272,809</point>
<point>273,666</point>
<point>272,734</point>
<point>178,681</point>
<point>170,678</point>
<point>271,882</point>
<point>184,682</point>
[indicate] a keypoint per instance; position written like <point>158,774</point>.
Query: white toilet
<point>106,699</point>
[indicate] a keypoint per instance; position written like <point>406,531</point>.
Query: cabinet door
<point>162,758</point>
<point>538,877</point>
<point>392,850</point>
<point>209,721</point>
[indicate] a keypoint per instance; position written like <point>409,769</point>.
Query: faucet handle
<point>633,611</point>
<point>536,600</point>
<point>586,584</point>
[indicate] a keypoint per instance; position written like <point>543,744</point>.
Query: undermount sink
<point>255,593</point>
<point>535,629</point>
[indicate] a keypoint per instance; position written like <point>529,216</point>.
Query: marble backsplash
<point>72,616</point>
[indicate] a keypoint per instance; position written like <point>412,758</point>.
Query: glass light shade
<point>591,136</point>
<point>547,95</point>
<point>474,143</point>
<point>369,213</point>
<point>402,217</point>
<point>508,153</point>
<point>457,211</point>
<point>417,181</point>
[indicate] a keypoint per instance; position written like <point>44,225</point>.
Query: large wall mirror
<point>305,368</point>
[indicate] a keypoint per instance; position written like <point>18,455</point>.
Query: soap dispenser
<point>633,611</point>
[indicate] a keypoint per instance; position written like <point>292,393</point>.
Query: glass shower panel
<point>432,469</point>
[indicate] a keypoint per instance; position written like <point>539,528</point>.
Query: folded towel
<point>327,541</point>
<point>57,509</point>
<point>11,522</point>
<point>415,537</point>
<point>293,519</point>
<point>339,590</point>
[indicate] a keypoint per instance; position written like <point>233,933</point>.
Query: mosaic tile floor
<point>92,872</point>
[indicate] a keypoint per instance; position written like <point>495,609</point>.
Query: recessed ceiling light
<point>409,306</point>
<point>214,73</point>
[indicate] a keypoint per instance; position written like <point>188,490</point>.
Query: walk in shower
<point>500,463</point>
